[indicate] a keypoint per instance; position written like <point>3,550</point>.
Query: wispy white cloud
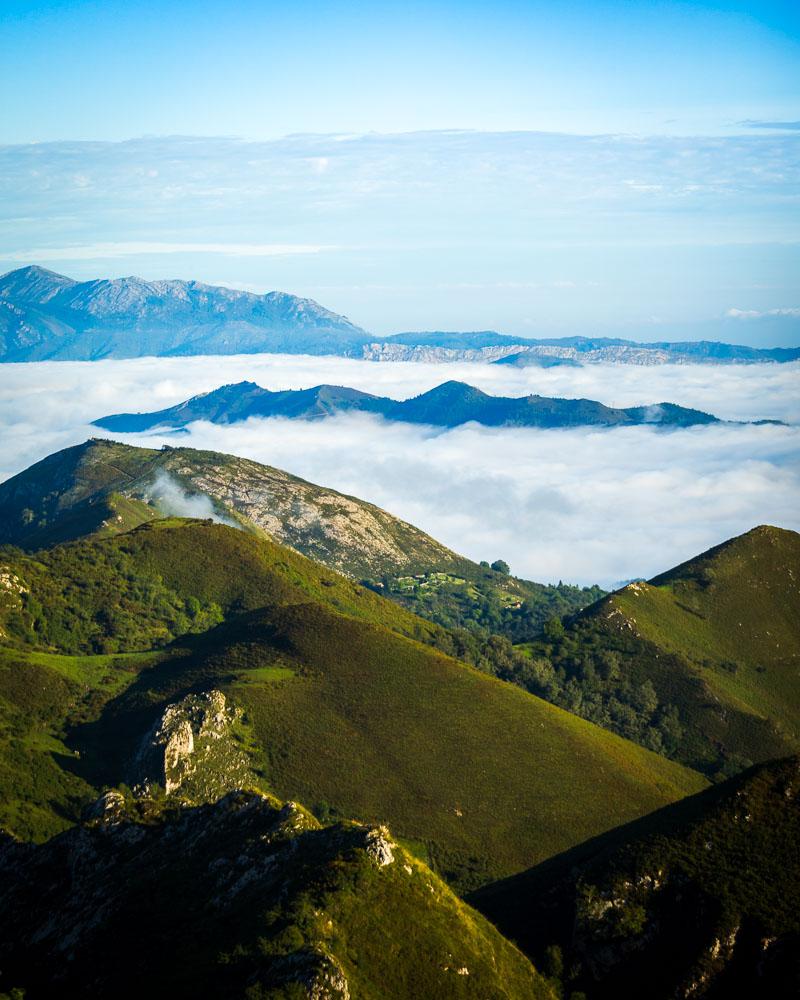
<point>174,500</point>
<point>761,313</point>
<point>780,126</point>
<point>102,251</point>
<point>581,505</point>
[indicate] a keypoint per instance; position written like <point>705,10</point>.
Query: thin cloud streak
<point>102,251</point>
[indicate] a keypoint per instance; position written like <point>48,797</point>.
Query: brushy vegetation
<point>706,891</point>
<point>165,579</point>
<point>485,601</point>
<point>700,665</point>
<point>246,898</point>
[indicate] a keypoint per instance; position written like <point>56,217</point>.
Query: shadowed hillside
<point>245,898</point>
<point>701,899</point>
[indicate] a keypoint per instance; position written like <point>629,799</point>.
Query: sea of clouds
<point>579,505</point>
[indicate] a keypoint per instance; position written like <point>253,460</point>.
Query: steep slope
<point>700,899</point>
<point>448,405</point>
<point>244,898</point>
<point>49,316</point>
<point>104,487</point>
<point>328,703</point>
<point>712,647</point>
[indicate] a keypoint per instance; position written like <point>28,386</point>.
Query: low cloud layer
<point>578,505</point>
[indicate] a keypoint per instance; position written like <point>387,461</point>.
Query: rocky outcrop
<point>348,535</point>
<point>379,847</point>
<point>248,897</point>
<point>317,972</point>
<point>192,749</point>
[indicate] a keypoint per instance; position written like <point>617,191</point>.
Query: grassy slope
<point>371,725</point>
<point>718,639</point>
<point>101,594</point>
<point>41,696</point>
<point>708,887</point>
<point>245,898</point>
<point>737,604</point>
<point>341,710</point>
<point>473,766</point>
<point>131,590</point>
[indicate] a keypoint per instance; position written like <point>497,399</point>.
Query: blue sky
<point>537,168</point>
<point>111,70</point>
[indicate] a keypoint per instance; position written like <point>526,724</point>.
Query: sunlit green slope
<point>334,705</point>
<point>701,663</point>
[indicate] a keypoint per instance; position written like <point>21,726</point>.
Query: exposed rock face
<point>424,353</point>
<point>109,808</point>
<point>379,847</point>
<point>318,972</point>
<point>191,748</point>
<point>349,535</point>
<point>574,350</point>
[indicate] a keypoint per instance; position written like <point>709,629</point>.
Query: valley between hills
<point>299,748</point>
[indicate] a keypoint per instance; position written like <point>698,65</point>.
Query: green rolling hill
<point>102,487</point>
<point>330,701</point>
<point>172,687</point>
<point>701,663</point>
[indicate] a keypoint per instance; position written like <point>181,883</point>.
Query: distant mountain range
<point>47,316</point>
<point>448,405</point>
<point>489,346</point>
<point>44,315</point>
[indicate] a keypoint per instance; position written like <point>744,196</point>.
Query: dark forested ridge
<point>448,405</point>
<point>700,899</point>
